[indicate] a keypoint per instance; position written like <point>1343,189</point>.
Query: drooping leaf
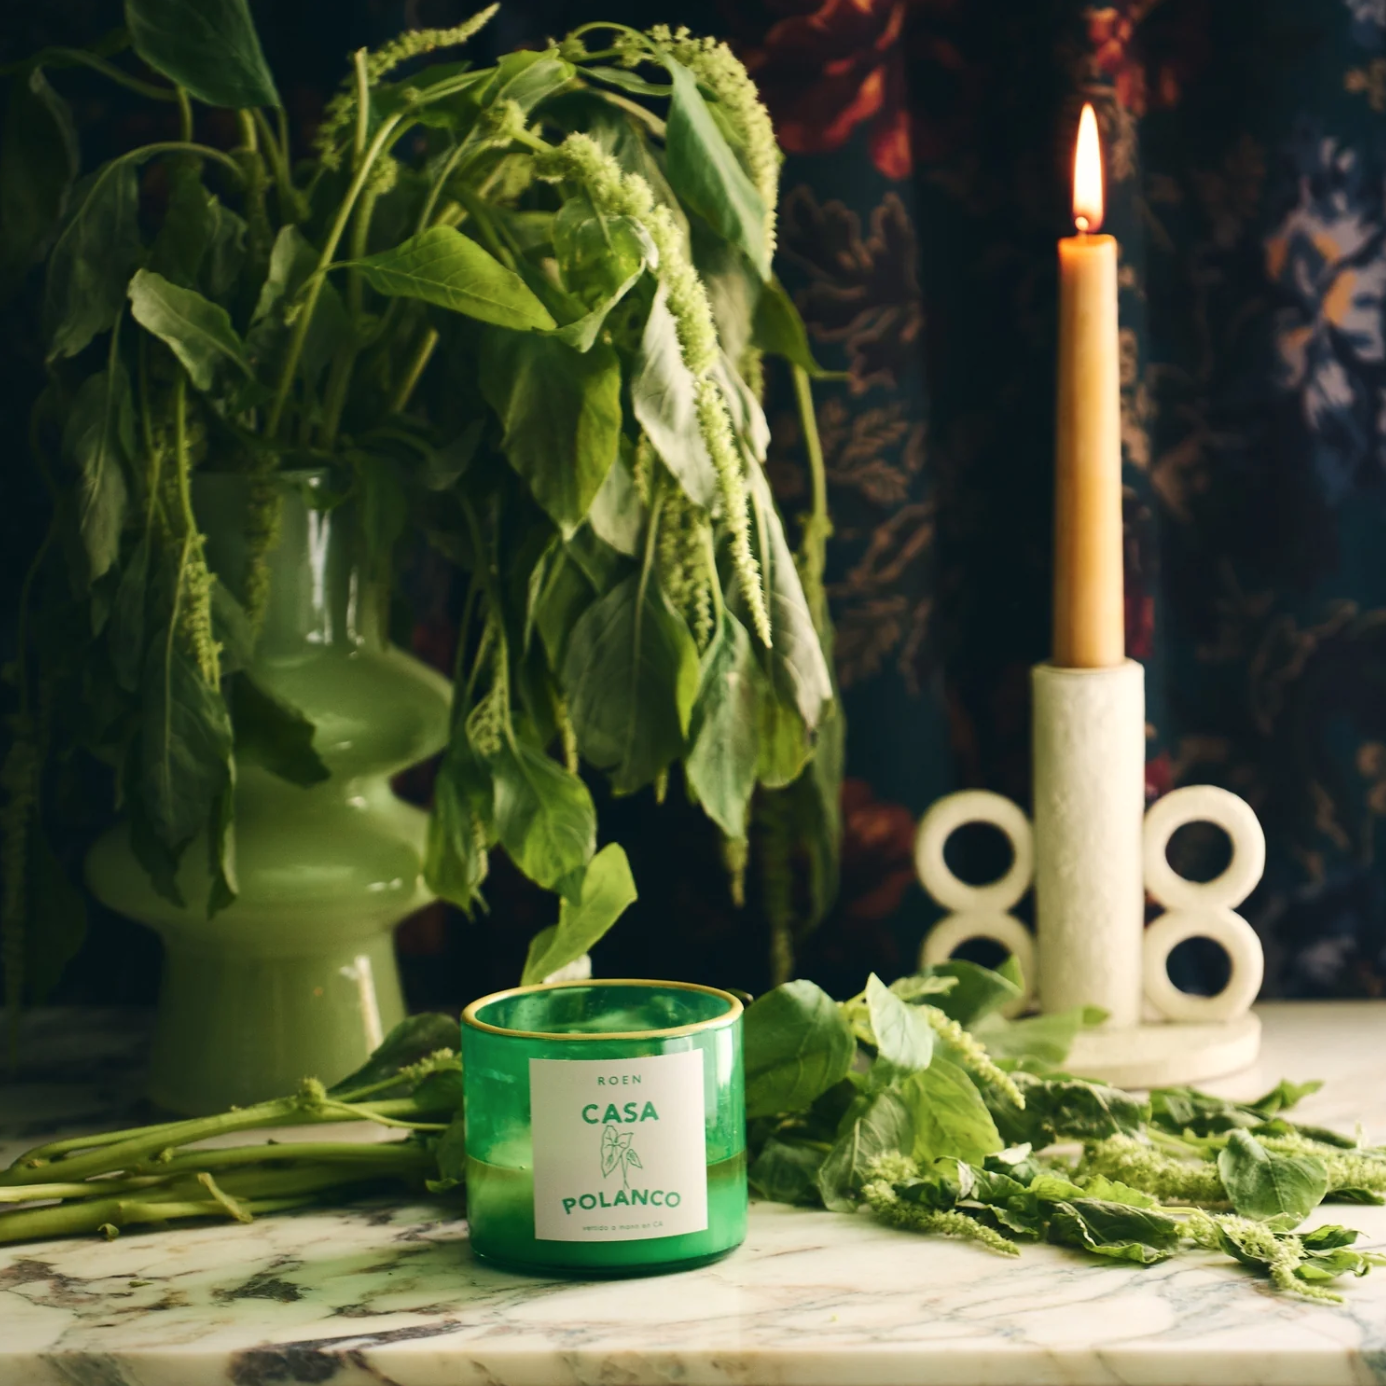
<point>97,438</point>
<point>631,671</point>
<point>779,330</point>
<point>904,1038</point>
<point>662,396</point>
<point>950,1116</point>
<point>707,174</point>
<point>96,252</point>
<point>196,330</point>
<point>444,267</point>
<point>223,886</point>
<point>186,741</point>
<point>544,814</point>
<point>201,243</point>
<point>38,164</point>
<point>797,1046</point>
<point>885,1126</point>
<point>786,1171</point>
<point>724,733</point>
<point>618,514</point>
<point>1279,1190</point>
<point>528,77</point>
<point>272,733</point>
<point>125,631</point>
<point>799,672</point>
<point>461,826</point>
<point>607,890</point>
<point>561,412</point>
<point>208,46</point>
<point>733,285</point>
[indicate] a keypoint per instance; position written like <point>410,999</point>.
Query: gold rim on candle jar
<point>733,1011</point>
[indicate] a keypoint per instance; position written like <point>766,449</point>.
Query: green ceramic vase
<point>297,977</point>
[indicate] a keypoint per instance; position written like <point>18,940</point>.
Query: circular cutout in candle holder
<point>1203,803</point>
<point>1237,938</point>
<point>951,932</point>
<point>942,820</point>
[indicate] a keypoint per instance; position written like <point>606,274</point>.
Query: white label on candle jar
<point>620,1152</point>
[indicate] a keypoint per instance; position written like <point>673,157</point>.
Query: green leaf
<point>38,164</point>
<point>786,1171</point>
<point>528,77</point>
<point>904,1038</point>
<point>950,1116</point>
<point>884,1126</point>
<point>185,744</point>
<point>197,331</point>
<point>272,733</point>
<point>125,633</point>
<point>779,330</point>
<point>1038,1041</point>
<point>733,286</point>
<point>724,732</point>
<point>607,890</point>
<point>98,435</point>
<point>662,395</point>
<point>631,670</point>
<point>561,412</point>
<point>1068,1109</point>
<point>627,81</point>
<point>446,268</point>
<point>598,256</point>
<point>566,592</point>
<point>461,826</point>
<point>1279,1190</point>
<point>544,815</point>
<point>1282,1097</point>
<point>799,672</point>
<point>221,847</point>
<point>292,262</point>
<point>707,175</point>
<point>413,1039</point>
<point>451,1154</point>
<point>201,244</point>
<point>797,1046</point>
<point>1115,1230</point>
<point>618,515</point>
<point>208,46</point>
<point>976,993</point>
<point>92,260</point>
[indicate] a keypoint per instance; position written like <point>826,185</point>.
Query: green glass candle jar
<point>606,1126</point>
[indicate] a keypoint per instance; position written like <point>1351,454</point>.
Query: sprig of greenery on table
<point>523,308</point>
<point>918,1101</point>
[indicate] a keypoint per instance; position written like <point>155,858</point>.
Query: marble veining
<point>384,1293</point>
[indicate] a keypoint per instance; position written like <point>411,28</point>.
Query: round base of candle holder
<point>1166,1054</point>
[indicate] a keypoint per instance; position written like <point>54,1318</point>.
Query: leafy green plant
<point>884,1102</point>
<point>520,308</point>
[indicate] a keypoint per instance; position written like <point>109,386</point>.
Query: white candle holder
<point>1092,855</point>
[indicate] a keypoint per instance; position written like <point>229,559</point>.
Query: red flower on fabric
<point>1146,51</point>
<point>833,65</point>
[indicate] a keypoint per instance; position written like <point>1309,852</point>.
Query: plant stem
<point>363,106</point>
<point>203,151</point>
<point>185,115</point>
<point>339,378</point>
<point>279,167</point>
<point>818,527</point>
<point>111,71</point>
<point>315,280</point>
<point>418,363</point>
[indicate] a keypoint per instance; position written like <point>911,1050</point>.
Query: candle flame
<point>1087,174</point>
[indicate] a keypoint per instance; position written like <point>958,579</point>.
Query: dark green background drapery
<point>927,182</point>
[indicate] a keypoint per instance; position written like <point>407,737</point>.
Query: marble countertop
<point>389,1294</point>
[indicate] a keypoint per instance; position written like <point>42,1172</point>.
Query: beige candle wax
<point>1088,609</point>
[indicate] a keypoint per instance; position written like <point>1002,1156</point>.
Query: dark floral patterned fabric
<point>926,183</point>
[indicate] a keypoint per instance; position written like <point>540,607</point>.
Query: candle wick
<point>1082,224</point>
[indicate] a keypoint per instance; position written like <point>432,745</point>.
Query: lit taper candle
<point>1088,608</point>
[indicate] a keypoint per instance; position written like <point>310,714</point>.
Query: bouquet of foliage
<point>918,1101</point>
<point>521,308</point>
